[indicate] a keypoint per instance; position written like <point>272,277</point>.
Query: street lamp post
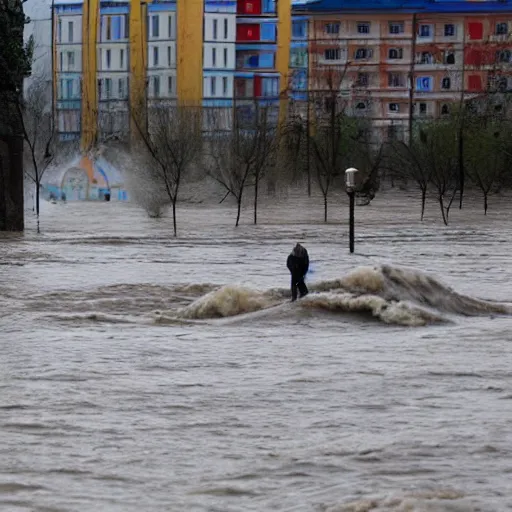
<point>350,183</point>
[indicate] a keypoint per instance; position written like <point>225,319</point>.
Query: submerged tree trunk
<point>485,203</point>
<point>423,201</point>
<point>450,204</point>
<point>441,204</point>
<point>256,182</point>
<point>174,217</point>
<point>239,208</point>
<point>325,207</point>
<point>38,185</point>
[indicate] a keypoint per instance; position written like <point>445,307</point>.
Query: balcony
<point>255,60</point>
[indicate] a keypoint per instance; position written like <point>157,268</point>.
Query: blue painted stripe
<point>244,74</point>
<point>257,47</point>
<point>218,102</point>
<point>406,6</point>
<point>299,44</point>
<point>114,10</point>
<point>161,7</point>
<point>218,72</point>
<point>245,21</point>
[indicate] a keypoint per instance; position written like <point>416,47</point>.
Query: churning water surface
<point>142,373</point>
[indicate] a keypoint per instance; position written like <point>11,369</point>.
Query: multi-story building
<point>394,61</point>
<point>391,61</point>
<point>113,59</point>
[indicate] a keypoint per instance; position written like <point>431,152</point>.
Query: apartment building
<point>396,60</point>
<point>114,56</point>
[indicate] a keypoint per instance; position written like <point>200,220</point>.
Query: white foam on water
<point>393,295</point>
<point>227,301</point>
<point>398,313</point>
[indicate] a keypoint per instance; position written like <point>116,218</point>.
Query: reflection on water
<point>139,372</point>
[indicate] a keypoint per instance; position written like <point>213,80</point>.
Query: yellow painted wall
<point>189,49</point>
<point>284,28</point>
<point>138,64</point>
<point>90,21</point>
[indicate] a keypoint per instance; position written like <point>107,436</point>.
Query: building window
<point>69,89</point>
<point>332,54</point>
<point>169,27</point>
<point>155,26</point>
<point>449,30</point>
<point>121,59</point>
<point>503,56</point>
<point>108,28</point>
<point>501,29</point>
<point>170,85</point>
<point>225,57</point>
<point>423,109</point>
<point>396,28</point>
<point>226,28</point>
<point>120,85</point>
<point>108,58</point>
<point>446,83</point>
<point>395,53</point>
<point>298,29</point>
<point>225,86</point>
<point>108,88</point>
<point>425,31</point>
<point>361,106</point>
<point>214,57</point>
<point>70,31</point>
<point>156,86</point>
<point>169,56</point>
<point>363,53</point>
<point>449,57</point>
<point>445,110</point>
<point>424,83</point>
<point>215,28</point>
<point>425,58</point>
<point>213,80</point>
<point>395,80</point>
<point>394,107</point>
<point>71,60</point>
<point>363,79</point>
<point>363,27</point>
<point>155,56</point>
<point>332,28</point>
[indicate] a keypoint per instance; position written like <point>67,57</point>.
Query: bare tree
<point>244,152</point>
<point>265,134</point>
<point>409,162</point>
<point>38,132</point>
<point>333,133</point>
<point>172,142</point>
<point>486,155</point>
<point>439,140</point>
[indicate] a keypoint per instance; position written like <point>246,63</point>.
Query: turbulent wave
<point>393,295</point>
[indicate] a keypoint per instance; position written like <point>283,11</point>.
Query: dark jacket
<point>298,262</point>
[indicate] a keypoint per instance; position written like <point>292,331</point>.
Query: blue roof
<point>430,6</point>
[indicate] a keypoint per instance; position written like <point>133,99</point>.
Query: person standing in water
<point>298,265</point>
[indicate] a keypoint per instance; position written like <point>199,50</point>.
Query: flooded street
<point>143,373</point>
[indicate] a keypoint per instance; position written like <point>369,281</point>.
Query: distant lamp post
<point>350,183</point>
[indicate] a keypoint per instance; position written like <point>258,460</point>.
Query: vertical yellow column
<point>138,67</point>
<point>190,52</point>
<point>284,27</point>
<point>90,14</point>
